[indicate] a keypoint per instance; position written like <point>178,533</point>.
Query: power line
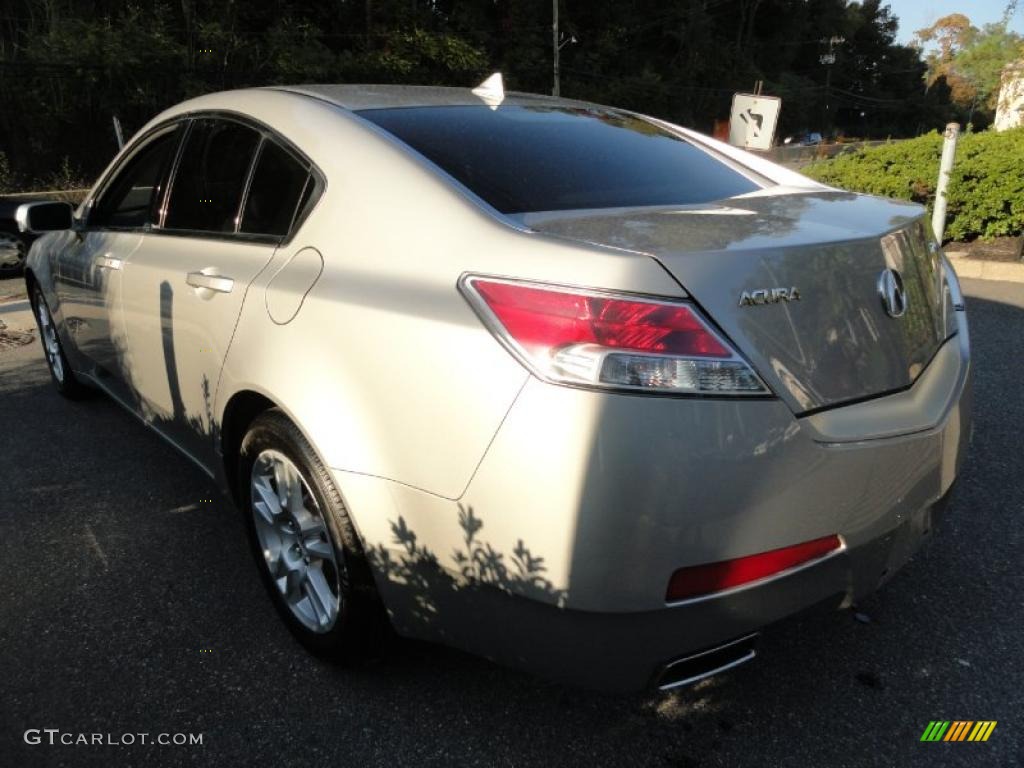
<point>867,98</point>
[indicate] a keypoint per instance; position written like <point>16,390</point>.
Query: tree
<point>982,61</point>
<point>67,66</point>
<point>970,61</point>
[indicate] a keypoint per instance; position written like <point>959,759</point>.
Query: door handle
<point>108,262</point>
<point>217,283</point>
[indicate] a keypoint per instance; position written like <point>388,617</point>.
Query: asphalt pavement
<point>129,604</point>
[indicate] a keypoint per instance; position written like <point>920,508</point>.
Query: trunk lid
<point>741,260</point>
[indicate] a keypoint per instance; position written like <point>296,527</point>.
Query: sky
<point>917,14</point>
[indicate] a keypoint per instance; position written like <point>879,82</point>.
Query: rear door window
<point>277,191</point>
<point>542,158</point>
<point>208,186</point>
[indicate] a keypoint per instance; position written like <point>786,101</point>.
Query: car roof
<point>357,97</point>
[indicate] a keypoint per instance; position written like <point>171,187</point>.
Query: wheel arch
<point>30,283</point>
<point>240,411</point>
<point>242,408</point>
<point>39,273</point>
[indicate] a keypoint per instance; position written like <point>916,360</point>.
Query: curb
<point>981,269</point>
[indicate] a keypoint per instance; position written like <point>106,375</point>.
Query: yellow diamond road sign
<point>752,120</point>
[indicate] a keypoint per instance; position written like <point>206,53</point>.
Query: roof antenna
<point>491,90</point>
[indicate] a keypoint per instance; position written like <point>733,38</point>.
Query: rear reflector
<point>609,340</point>
<point>701,580</point>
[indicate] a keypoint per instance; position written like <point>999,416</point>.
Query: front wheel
<point>303,540</point>
<point>61,373</point>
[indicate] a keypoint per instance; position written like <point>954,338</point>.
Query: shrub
<point>6,177</point>
<point>63,178</point>
<point>986,187</point>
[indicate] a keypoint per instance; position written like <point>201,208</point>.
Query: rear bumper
<point>631,651</point>
<point>558,555</point>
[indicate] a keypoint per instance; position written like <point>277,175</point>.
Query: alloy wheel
<point>51,345</point>
<point>295,542</point>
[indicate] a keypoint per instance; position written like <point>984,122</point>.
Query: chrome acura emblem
<point>892,292</point>
<point>769,296</point>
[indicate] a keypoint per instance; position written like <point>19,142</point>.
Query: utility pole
<point>828,59</point>
<point>556,90</point>
<point>557,44</point>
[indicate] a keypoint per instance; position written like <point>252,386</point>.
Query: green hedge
<point>6,177</point>
<point>986,189</point>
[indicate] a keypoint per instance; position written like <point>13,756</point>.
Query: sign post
<point>753,120</point>
<point>945,166</point>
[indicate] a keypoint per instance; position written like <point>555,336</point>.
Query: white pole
<point>118,134</point>
<point>948,153</point>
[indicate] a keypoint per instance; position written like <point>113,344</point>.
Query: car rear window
<point>275,192</point>
<point>528,158</point>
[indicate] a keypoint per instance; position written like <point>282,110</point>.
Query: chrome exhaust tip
<point>698,666</point>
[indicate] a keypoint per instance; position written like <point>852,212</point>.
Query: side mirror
<point>36,218</point>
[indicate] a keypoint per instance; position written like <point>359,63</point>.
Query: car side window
<point>277,190</point>
<point>211,176</point>
<point>130,199</point>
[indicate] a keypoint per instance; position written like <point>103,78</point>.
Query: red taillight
<point>576,336</point>
<point>545,318</point>
<point>700,580</point>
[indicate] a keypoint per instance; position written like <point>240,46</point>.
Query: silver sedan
<point>563,385</point>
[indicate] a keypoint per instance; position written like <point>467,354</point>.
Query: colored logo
<point>958,730</point>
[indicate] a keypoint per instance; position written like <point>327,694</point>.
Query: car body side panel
<point>178,334</point>
<point>42,263</point>
<point>90,294</point>
<point>385,365</point>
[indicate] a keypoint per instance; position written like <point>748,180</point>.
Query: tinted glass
<point>546,159</point>
<point>131,197</point>
<point>275,192</point>
<point>307,195</point>
<point>210,179</point>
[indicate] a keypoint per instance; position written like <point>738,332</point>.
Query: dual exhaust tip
<point>698,666</point>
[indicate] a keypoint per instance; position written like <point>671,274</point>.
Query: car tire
<point>63,377</point>
<point>304,543</point>
<point>9,241</point>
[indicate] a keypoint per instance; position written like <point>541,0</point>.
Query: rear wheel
<point>61,373</point>
<point>303,540</point>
